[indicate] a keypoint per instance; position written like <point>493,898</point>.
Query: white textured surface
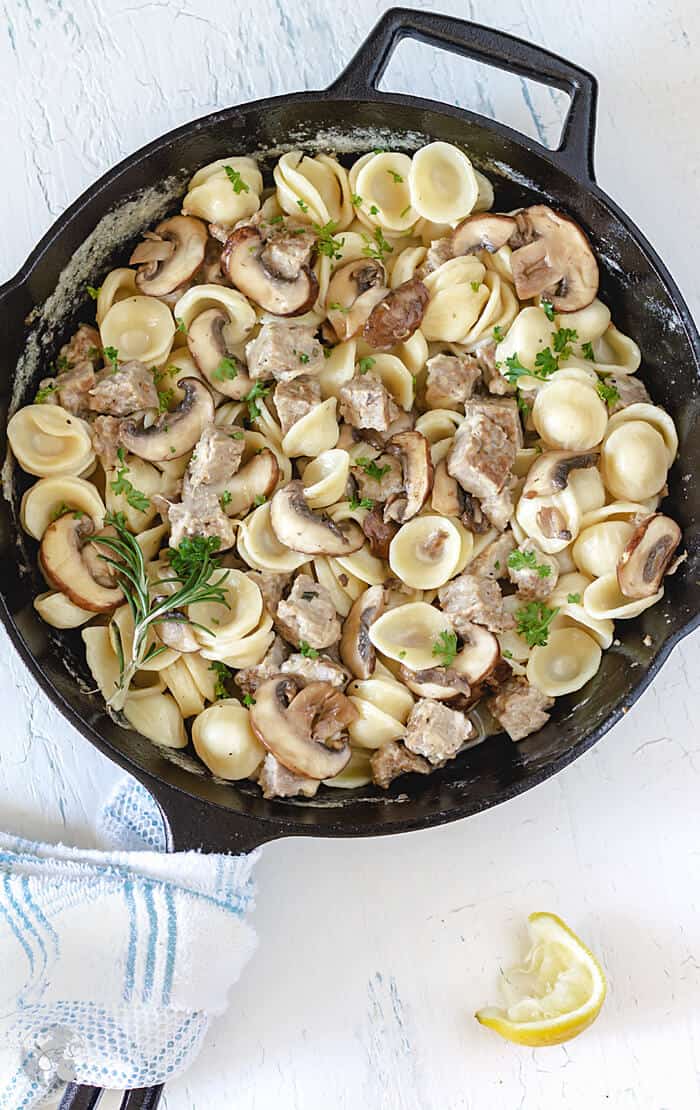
<point>374,954</point>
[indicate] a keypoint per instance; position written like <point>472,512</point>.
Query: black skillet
<point>352,115</point>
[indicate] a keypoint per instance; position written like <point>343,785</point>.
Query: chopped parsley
<point>307,651</point>
<point>546,362</point>
<point>249,700</point>
<point>259,500</point>
<point>402,655</point>
<point>43,394</point>
<point>275,220</point>
<point>112,357</point>
<point>93,292</point>
<point>527,560</point>
<point>237,435</point>
<point>377,249</point>
<point>523,406</point>
<point>498,333</point>
<point>396,177</point>
<point>356,200</point>
<point>304,358</point>
<point>165,399</point>
<point>226,371</point>
<point>327,352</point>
<point>445,647</point>
<point>225,498</point>
<point>181,325</point>
<point>237,182</point>
<point>547,308</point>
<point>366,364</point>
<point>371,469</point>
<point>561,340</point>
<point>191,553</point>
<point>222,673</point>
<point>303,205</point>
<point>533,621</point>
<point>573,599</point>
<point>475,285</point>
<point>374,211</point>
<point>123,487</point>
<point>608,393</point>
<point>507,654</point>
<point>336,306</point>
<point>405,212</point>
<point>379,150</point>
<point>62,509</point>
<point>361,503</point>
<point>587,349</point>
<point>258,390</point>
<point>516,370</point>
<point>325,243</point>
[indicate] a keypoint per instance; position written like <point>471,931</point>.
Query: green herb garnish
<point>222,673</point>
<point>587,349</point>
<point>43,394</point>
<point>93,292</point>
<point>237,182</point>
<point>112,357</point>
<point>366,364</point>
<point>371,469</point>
<point>548,308</point>
<point>248,700</point>
<point>377,249</point>
<point>608,393</point>
<point>122,486</point>
<point>475,285</point>
<point>533,621</point>
<point>303,358</point>
<point>356,200</point>
<point>303,205</point>
<point>561,340</point>
<point>573,599</point>
<point>181,325</point>
<point>307,651</point>
<point>259,500</point>
<point>259,390</point>
<point>445,647</point>
<point>325,243</point>
<point>527,560</point>
<point>62,509</point>
<point>226,371</point>
<point>546,363</point>
<point>225,498</point>
<point>498,333</point>
<point>397,178</point>
<point>361,503</point>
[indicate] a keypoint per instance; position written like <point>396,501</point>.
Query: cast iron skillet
<point>353,115</point>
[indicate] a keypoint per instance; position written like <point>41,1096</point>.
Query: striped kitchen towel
<point>113,963</point>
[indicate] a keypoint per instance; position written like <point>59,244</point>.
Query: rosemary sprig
<point>147,610</point>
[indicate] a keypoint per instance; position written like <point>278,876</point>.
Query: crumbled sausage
<point>492,561</point>
<point>436,732</point>
<point>469,598</point>
<point>105,433</point>
<point>322,669</point>
<point>519,707</point>
<point>308,615</point>
<point>249,678</point>
<point>85,345</point>
<point>284,351</point>
<point>294,399</point>
<point>535,574</point>
<point>378,488</point>
<point>451,380</point>
<point>631,391</point>
<point>277,782</point>
<point>216,457</point>
<point>365,402</point>
<point>272,585</point>
<point>73,387</point>
<point>392,760</point>
<point>123,391</point>
<point>481,456</point>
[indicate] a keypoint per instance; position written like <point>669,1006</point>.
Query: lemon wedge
<point>555,995</point>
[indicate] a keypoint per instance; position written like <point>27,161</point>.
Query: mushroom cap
<point>356,649</point>
<point>437,683</point>
<point>447,494</point>
<point>301,529</point>
<point>63,565</point>
<point>485,231</point>
<point>243,261</point>
<point>647,556</point>
<point>207,345</point>
<point>480,653</point>
<point>417,468</point>
<point>397,315</point>
<point>176,432</point>
<point>177,633</point>
<point>170,260</point>
<point>256,479</point>
<point>553,257</point>
<point>379,532</point>
<point>549,474</point>
<point>292,721</point>
<point>355,288</point>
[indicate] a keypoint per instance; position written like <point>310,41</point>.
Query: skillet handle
<point>361,76</point>
<point>88,1098</point>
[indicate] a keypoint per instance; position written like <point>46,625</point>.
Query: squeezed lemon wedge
<point>555,995</point>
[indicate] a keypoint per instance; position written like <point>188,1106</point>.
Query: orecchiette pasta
<point>139,328</point>
<point>49,497</point>
<point>224,740</point>
<point>48,441</point>
<point>225,191</point>
<point>443,184</point>
<point>565,664</point>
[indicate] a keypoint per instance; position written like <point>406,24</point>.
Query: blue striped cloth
<point>113,963</point>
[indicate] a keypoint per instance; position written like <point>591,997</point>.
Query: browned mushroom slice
<point>253,482</point>
<point>301,529</point>
<point>379,532</point>
<point>447,496</point>
<point>437,683</point>
<point>486,231</point>
<point>292,723</point>
<point>353,291</point>
<point>174,433</point>
<point>207,345</point>
<point>552,524</point>
<point>397,315</point>
<point>65,568</point>
<point>480,653</point>
<point>549,474</point>
<point>647,556</point>
<point>553,258</point>
<point>170,255</point>
<point>417,468</point>
<point>356,649</point>
<point>281,294</point>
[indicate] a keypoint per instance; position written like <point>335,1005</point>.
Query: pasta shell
<point>443,184</point>
<point>566,663</point>
<point>317,431</point>
<point>59,611</point>
<point>425,552</point>
<point>117,286</point>
<point>569,415</point>
<point>48,441</point>
<point>228,621</point>
<point>604,599</point>
<point>634,461</point>
<point>409,633</point>
<point>157,717</point>
<point>326,477</point>
<point>139,328</point>
<point>46,497</point>
<point>224,740</point>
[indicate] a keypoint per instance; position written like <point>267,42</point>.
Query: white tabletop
<point>374,954</point>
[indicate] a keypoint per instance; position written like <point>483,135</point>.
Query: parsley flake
<point>258,390</point>
<point>546,363</point>
<point>356,200</point>
<point>527,560</point>
<point>237,182</point>
<point>226,371</point>
<point>112,356</point>
<point>608,393</point>
<point>325,243</point>
<point>561,340</point>
<point>371,469</point>
<point>225,498</point>
<point>446,647</point>
<point>181,325</point>
<point>366,364</point>
<point>475,285</point>
<point>361,503</point>
<point>303,205</point>
<point>123,487</point>
<point>307,651</point>
<point>377,249</point>
<point>498,333</point>
<point>573,599</point>
<point>43,394</point>
<point>548,308</point>
<point>249,700</point>
<point>587,349</point>
<point>533,621</point>
<point>396,177</point>
<point>93,291</point>
<point>222,673</point>
<point>374,211</point>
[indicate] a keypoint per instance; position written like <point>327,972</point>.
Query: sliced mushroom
<point>177,633</point>
<point>486,231</point>
<point>437,683</point>
<point>417,468</point>
<point>552,524</point>
<point>65,568</point>
<point>647,556</point>
<point>447,496</point>
<point>480,654</point>
<point>207,345</point>
<point>353,291</point>
<point>291,720</point>
<point>356,649</point>
<point>256,480</point>
<point>397,315</point>
<point>244,262</point>
<point>549,474</point>
<point>170,256</point>
<point>379,532</point>
<point>473,517</point>
<point>301,529</point>
<point>553,258</point>
<point>176,432</point>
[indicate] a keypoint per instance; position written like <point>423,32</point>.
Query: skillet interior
<point>87,242</point>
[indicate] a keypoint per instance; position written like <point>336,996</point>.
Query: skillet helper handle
<point>88,1098</point>
<point>361,76</point>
